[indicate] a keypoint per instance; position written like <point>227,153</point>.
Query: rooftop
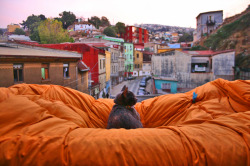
<point>218,11</point>
<point>7,49</point>
<point>206,52</point>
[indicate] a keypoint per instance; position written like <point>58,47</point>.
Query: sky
<point>181,13</point>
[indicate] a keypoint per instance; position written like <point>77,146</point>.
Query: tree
<point>187,37</point>
<point>120,28</point>
<point>109,31</point>
<point>35,35</point>
<point>31,20</point>
<point>198,47</point>
<point>42,17</point>
<point>1,32</point>
<point>19,31</point>
<point>51,31</point>
<point>95,21</point>
<point>67,18</point>
<point>105,21</point>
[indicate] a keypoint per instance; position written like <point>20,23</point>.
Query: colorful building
<point>90,56</point>
<point>138,62</point>
<point>11,28</point>
<point>135,35</point>
<point>36,65</point>
<point>128,53</point>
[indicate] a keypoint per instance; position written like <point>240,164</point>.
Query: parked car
<point>131,78</point>
<point>143,83</point>
<point>140,92</point>
<point>142,88</point>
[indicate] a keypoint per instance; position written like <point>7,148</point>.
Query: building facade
<point>146,66</point>
<point>193,68</point>
<point>115,55</point>
<point>33,65</point>
<point>11,28</point>
<point>207,22</point>
<point>135,35</point>
<point>138,63</point>
<point>128,53</point>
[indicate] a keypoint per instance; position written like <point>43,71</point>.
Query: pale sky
<point>175,13</point>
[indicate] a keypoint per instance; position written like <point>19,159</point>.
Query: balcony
<point>210,23</point>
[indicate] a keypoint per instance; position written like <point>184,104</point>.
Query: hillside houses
<point>100,62</point>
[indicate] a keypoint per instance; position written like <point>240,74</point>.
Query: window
<point>199,67</point>
<point>137,55</point>
<point>18,72</point>
<point>65,70</point>
<point>45,71</point>
<point>100,64</point>
<point>103,63</point>
<point>166,86</point>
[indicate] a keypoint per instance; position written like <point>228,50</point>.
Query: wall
<point>164,64</point>
<point>83,27</point>
<point>168,49</point>
<point>82,84</point>
<point>158,84</point>
<point>89,56</point>
<point>138,61</point>
<point>128,52</point>
<point>32,75</point>
<point>6,75</point>
<point>102,71</point>
<point>198,79</point>
<point>12,28</point>
<point>223,63</point>
<point>108,65</point>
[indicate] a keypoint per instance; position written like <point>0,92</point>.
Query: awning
<point>82,66</point>
<point>200,60</point>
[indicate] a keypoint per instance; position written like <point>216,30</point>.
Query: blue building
<point>166,85</point>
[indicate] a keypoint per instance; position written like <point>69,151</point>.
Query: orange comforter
<point>54,125</point>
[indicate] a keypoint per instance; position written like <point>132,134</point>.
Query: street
<point>132,85</point>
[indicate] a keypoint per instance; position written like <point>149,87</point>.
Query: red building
<point>136,35</point>
<point>89,56</point>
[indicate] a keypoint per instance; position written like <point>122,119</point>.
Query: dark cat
<point>123,114</point>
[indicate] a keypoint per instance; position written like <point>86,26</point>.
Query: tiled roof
<point>32,51</point>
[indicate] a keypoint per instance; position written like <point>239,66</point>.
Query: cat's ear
<point>124,87</point>
<point>125,91</point>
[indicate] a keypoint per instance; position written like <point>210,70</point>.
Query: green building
<point>128,52</point>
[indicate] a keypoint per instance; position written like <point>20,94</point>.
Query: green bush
<point>218,39</point>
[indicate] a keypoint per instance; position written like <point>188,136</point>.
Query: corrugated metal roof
<point>20,50</point>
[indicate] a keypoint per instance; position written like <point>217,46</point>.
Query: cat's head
<point>126,97</point>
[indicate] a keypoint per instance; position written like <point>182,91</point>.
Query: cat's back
<point>120,117</point>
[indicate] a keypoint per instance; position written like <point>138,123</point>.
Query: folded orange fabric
<point>55,125</point>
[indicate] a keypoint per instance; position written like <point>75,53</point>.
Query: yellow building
<point>138,61</point>
<point>108,65</point>
<point>168,49</point>
<point>12,28</point>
